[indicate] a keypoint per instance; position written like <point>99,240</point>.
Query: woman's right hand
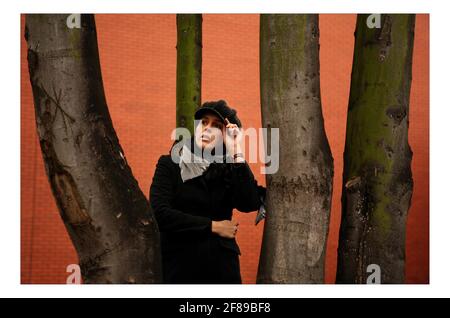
<point>225,228</point>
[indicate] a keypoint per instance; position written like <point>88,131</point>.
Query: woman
<point>193,200</point>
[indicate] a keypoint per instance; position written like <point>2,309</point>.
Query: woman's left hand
<point>233,137</point>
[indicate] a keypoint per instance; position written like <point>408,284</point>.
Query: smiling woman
<point>193,200</point>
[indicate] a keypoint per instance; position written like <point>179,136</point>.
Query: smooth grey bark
<point>107,216</point>
<point>377,180</point>
<point>299,194</point>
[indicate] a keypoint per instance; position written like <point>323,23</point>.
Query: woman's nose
<point>207,128</point>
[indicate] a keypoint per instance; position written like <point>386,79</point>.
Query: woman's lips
<point>206,138</point>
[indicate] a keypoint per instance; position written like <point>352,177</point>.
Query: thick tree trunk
<point>189,68</point>
<point>377,181</point>
<point>106,215</point>
<point>299,194</point>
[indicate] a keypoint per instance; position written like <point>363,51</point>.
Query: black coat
<point>191,253</point>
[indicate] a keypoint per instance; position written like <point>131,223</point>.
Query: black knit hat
<point>221,109</point>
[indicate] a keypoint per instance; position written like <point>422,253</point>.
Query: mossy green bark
<point>189,68</point>
<point>377,180</point>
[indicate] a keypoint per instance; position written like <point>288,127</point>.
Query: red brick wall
<point>138,59</point>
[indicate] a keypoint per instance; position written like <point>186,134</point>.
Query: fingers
<point>229,228</point>
<point>234,228</point>
<point>229,125</point>
<point>236,225</point>
<point>232,130</point>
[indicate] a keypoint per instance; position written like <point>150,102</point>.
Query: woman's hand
<point>225,228</point>
<point>233,137</point>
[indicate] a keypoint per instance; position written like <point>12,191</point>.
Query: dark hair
<point>221,109</point>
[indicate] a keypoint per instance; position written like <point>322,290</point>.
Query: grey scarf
<point>192,165</point>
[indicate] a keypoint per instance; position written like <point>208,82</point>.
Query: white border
<point>10,131</point>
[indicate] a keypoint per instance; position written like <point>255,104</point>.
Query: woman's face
<point>209,132</point>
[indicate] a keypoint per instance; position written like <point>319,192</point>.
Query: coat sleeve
<point>162,193</point>
<point>245,188</point>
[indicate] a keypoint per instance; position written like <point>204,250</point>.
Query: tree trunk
<point>377,180</point>
<point>189,68</point>
<point>106,215</point>
<point>299,194</point>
